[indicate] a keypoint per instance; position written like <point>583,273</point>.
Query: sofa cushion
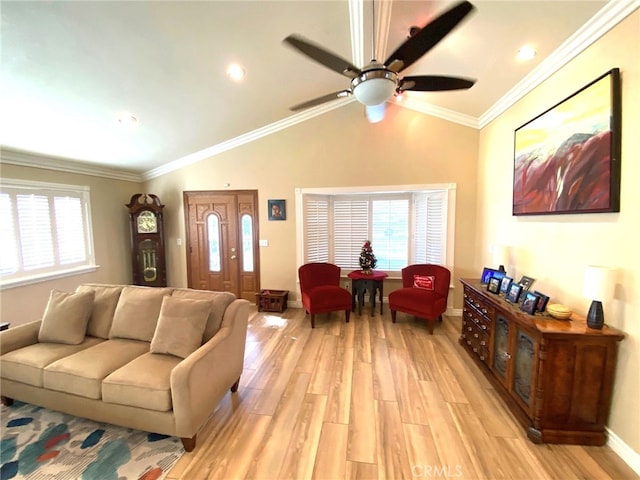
<point>144,382</point>
<point>26,364</point>
<point>180,326</point>
<point>82,373</point>
<point>219,303</point>
<point>104,306</point>
<point>137,312</point>
<point>65,318</point>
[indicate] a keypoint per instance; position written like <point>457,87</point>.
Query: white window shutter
<point>69,230</point>
<point>420,228</point>
<point>436,225</point>
<point>351,230</point>
<point>316,228</point>
<point>34,224</point>
<point>8,246</point>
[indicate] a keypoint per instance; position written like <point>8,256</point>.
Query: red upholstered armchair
<point>424,296</point>
<point>321,290</point>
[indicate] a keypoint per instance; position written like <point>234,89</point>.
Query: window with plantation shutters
<point>46,231</point>
<point>316,213</point>
<point>405,226</point>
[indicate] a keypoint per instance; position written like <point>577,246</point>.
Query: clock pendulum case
<point>147,240</point>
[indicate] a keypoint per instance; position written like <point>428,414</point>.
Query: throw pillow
<point>425,282</point>
<point>136,315</point>
<point>65,318</point>
<point>104,306</point>
<point>180,326</point>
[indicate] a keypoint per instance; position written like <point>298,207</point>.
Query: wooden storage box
<point>272,300</point>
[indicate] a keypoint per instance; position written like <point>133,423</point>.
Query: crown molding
<point>607,18</point>
<point>246,138</point>
<point>418,105</point>
<point>37,160</point>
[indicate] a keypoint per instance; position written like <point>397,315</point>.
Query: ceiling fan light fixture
<point>374,87</point>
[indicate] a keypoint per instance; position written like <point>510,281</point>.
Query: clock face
<point>147,222</point>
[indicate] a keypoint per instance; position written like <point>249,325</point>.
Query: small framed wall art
<point>277,209</point>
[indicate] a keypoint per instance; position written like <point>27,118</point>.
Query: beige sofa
<point>153,359</point>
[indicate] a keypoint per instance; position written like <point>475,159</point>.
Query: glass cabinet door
<point>524,365</point>
<point>500,347</point>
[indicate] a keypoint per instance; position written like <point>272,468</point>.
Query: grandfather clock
<point>147,240</point>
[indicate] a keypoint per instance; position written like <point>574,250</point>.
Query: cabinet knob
<point>484,310</point>
<point>475,335</point>
<point>483,343</point>
<point>507,355</point>
<point>477,305</point>
<point>475,350</point>
<point>469,329</point>
<point>483,327</point>
<point>482,357</point>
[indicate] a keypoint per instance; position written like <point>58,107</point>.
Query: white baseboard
<point>624,451</point>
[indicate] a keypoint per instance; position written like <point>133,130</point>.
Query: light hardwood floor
<point>374,400</point>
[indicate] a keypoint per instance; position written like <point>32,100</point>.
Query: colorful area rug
<point>42,444</point>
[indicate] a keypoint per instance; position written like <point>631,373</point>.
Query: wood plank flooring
<point>371,399</point>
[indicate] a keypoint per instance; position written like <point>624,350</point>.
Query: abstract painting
<point>567,160</point>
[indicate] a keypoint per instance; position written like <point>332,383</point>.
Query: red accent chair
<point>321,290</point>
<point>425,303</point>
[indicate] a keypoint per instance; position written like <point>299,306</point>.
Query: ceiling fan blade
<point>323,56</point>
<point>434,83</point>
<point>423,41</point>
<point>321,100</point>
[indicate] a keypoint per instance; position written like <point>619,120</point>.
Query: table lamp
<point>598,286</point>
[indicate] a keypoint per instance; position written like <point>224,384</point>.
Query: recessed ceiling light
<point>126,119</point>
<point>526,53</point>
<point>235,72</point>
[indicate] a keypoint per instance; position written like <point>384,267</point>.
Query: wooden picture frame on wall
<point>567,159</point>
<point>277,209</point>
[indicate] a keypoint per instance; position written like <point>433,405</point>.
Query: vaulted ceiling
<point>70,69</point>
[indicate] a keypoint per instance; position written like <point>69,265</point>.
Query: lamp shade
<point>374,91</point>
<point>598,283</point>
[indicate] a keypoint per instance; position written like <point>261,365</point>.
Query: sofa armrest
<point>20,336</point>
<point>199,382</point>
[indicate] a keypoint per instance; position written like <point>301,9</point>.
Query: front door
<point>222,241</point>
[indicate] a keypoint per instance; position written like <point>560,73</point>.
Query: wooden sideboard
<point>556,376</point>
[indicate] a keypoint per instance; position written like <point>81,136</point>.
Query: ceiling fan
<point>375,83</point>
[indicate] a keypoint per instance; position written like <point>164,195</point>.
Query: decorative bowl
<point>561,312</point>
